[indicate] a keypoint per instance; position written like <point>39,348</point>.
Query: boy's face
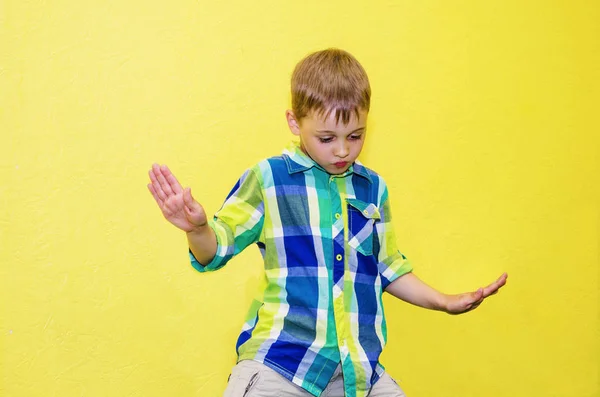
<point>334,146</point>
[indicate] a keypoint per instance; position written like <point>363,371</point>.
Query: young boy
<point>322,222</point>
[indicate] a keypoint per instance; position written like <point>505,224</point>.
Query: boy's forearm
<point>203,244</point>
<point>411,289</point>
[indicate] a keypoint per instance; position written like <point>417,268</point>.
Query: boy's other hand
<point>462,303</point>
<point>177,204</point>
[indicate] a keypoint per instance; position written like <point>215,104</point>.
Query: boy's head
<point>330,101</point>
<point>330,81</point>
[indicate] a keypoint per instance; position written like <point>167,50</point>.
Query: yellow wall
<point>482,123</point>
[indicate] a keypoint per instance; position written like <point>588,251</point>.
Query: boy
<point>323,225</point>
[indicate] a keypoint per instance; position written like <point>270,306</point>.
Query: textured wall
<point>482,123</point>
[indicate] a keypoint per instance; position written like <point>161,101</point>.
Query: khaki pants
<point>253,379</point>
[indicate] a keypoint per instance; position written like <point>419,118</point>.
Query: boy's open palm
<point>462,303</point>
<point>177,204</point>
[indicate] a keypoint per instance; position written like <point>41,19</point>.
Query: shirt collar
<point>298,161</point>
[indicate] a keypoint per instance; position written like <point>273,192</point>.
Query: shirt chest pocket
<point>361,222</point>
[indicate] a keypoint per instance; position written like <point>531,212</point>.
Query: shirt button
<point>338,257</point>
<point>337,216</point>
<point>343,348</point>
<point>366,212</point>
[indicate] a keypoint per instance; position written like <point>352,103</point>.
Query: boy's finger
<point>164,185</point>
<point>188,199</point>
<point>170,178</point>
<point>151,188</point>
<point>476,296</point>
<point>156,186</point>
<point>495,286</point>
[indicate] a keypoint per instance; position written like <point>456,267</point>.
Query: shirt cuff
<point>398,266</point>
<point>223,253</point>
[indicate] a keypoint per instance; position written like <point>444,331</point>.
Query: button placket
<point>337,232</point>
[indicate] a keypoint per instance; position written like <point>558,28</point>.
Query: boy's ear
<point>293,123</point>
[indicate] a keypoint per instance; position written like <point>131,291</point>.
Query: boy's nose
<point>342,150</point>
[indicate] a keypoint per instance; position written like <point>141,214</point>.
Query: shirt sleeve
<point>238,223</point>
<point>392,263</point>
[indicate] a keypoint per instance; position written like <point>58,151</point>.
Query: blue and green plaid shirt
<point>329,252</point>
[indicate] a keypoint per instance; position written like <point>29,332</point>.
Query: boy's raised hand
<point>177,204</point>
<point>461,303</point>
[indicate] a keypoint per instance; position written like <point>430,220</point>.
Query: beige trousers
<point>253,379</point>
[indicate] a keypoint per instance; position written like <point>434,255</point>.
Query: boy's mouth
<point>341,164</point>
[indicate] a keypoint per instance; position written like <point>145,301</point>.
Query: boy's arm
<point>235,226</point>
<point>399,280</point>
<point>179,207</point>
<point>203,244</point>
<point>411,289</point>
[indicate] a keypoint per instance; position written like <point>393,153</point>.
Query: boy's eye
<point>355,137</point>
<point>325,140</point>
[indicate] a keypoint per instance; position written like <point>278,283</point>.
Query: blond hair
<point>329,81</point>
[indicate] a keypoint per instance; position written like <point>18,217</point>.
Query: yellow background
<point>484,124</point>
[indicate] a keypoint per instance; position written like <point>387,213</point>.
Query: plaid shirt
<point>329,252</point>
